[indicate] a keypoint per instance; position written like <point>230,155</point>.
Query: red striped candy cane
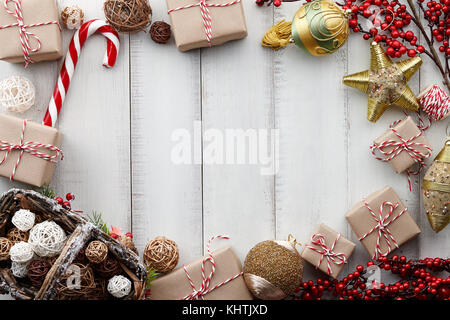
<point>79,39</point>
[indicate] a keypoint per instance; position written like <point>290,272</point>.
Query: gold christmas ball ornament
<point>385,82</point>
<point>273,269</point>
<point>319,27</point>
<point>96,251</point>
<point>161,254</point>
<point>436,190</point>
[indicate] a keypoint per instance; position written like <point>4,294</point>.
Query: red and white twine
<point>325,252</point>
<point>79,39</point>
<point>24,35</point>
<point>30,148</point>
<point>382,227</point>
<point>206,14</point>
<point>436,103</point>
<point>206,279</point>
<point>392,148</point>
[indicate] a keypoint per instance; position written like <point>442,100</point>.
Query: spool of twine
<point>128,15</point>
<point>161,254</point>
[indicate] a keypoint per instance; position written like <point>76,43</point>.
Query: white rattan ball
<point>17,94</point>
<point>47,239</point>
<point>119,286</point>
<point>23,220</point>
<point>19,270</point>
<point>21,252</point>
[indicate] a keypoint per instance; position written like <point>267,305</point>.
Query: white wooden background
<point>118,123</point>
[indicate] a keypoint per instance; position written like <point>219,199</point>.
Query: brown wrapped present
<point>188,17</point>
<point>382,222</point>
<point>29,150</point>
<point>402,156</point>
<point>328,250</point>
<point>40,19</point>
<point>227,276</point>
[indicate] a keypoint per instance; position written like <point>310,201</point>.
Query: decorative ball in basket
<point>29,150</point>
<point>41,263</point>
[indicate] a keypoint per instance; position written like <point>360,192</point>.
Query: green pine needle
<point>96,219</point>
<point>151,275</point>
<point>46,191</point>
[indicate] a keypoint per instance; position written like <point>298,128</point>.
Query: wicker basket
<point>80,233</point>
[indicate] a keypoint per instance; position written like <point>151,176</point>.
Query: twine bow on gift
<point>206,280</point>
<point>325,252</point>
<point>206,14</point>
<point>24,34</point>
<point>30,148</point>
<point>382,227</point>
<point>392,148</point>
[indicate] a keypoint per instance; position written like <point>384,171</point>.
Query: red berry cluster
<point>417,282</point>
<point>66,204</point>
<point>436,13</point>
<point>116,236</point>
<point>276,3</point>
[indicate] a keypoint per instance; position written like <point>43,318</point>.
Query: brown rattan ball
<point>15,235</point>
<point>5,246</point>
<point>96,251</point>
<point>37,270</point>
<point>160,32</point>
<point>67,287</point>
<point>108,268</point>
<point>127,242</point>
<point>161,254</point>
<point>128,15</point>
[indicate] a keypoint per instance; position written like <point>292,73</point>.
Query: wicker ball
<point>17,94</point>
<point>76,282</point>
<point>160,32</point>
<point>19,270</point>
<point>37,270</point>
<point>72,17</point>
<point>127,242</point>
<point>108,268</point>
<point>5,246</point>
<point>273,270</point>
<point>21,252</point>
<point>15,235</point>
<point>47,239</point>
<point>119,286</point>
<point>128,15</point>
<point>23,220</point>
<point>161,254</point>
<point>96,251</point>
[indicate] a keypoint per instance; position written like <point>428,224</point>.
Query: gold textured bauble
<point>385,82</point>
<point>319,27</point>
<point>436,190</point>
<point>161,254</point>
<point>5,246</point>
<point>273,269</point>
<point>96,251</point>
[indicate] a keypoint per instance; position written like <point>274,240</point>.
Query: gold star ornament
<point>385,82</point>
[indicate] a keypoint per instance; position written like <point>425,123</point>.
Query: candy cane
<point>87,29</point>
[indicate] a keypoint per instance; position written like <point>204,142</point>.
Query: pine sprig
<point>151,275</point>
<point>46,191</point>
<point>96,219</point>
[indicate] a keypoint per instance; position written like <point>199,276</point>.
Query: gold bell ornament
<point>436,190</point>
<point>319,27</point>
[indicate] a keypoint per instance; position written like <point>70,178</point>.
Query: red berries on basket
<point>65,204</point>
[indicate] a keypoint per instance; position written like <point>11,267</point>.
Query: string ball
<point>96,251</point>
<point>21,252</point>
<point>15,235</point>
<point>5,246</point>
<point>23,219</point>
<point>17,94</point>
<point>19,270</point>
<point>161,254</point>
<point>128,15</point>
<point>47,239</point>
<point>37,270</point>
<point>72,17</point>
<point>107,268</point>
<point>160,32</point>
<point>119,286</point>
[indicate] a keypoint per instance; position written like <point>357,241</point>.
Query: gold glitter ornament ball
<point>273,270</point>
<point>436,190</point>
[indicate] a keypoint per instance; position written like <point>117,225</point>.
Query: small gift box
<point>328,250</point>
<point>28,150</point>
<point>382,222</point>
<point>187,283</point>
<point>402,146</point>
<point>199,24</point>
<point>40,37</point>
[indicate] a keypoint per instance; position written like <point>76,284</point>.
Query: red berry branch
<point>417,281</point>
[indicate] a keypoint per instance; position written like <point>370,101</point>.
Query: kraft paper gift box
<point>343,247</point>
<point>407,129</point>
<point>176,286</point>
<point>34,12</point>
<point>398,228</point>
<point>31,169</point>
<point>228,23</point>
